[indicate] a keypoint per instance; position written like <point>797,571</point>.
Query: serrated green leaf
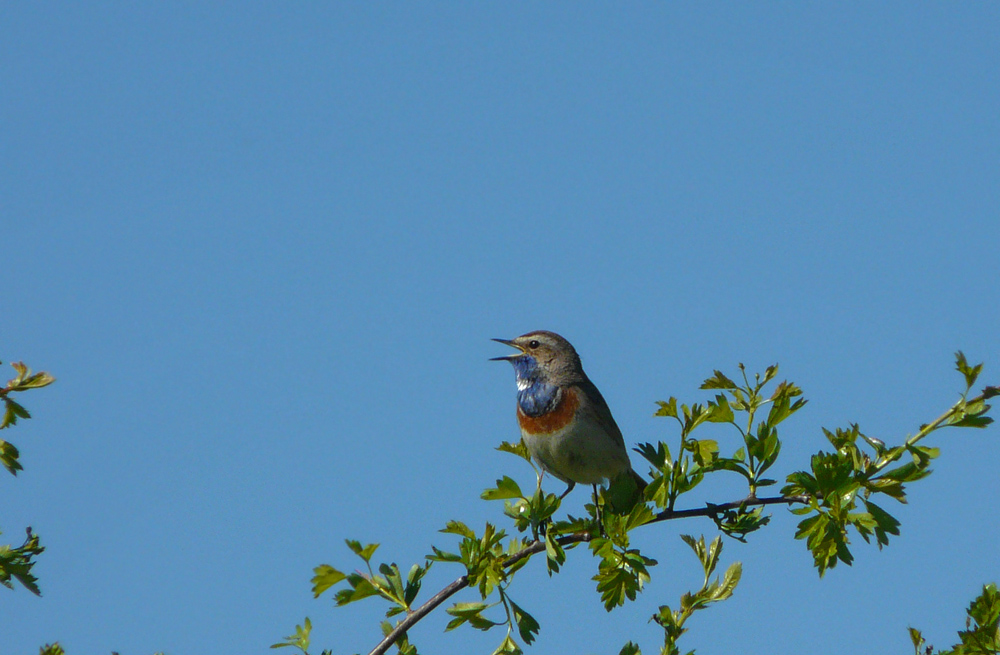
<point>467,609</point>
<point>704,450</point>
<point>718,381</point>
<point>443,556</point>
<point>361,588</point>
<point>630,649</point>
<point>518,449</point>
<point>459,528</point>
<point>508,647</point>
<point>9,413</point>
<point>668,408</point>
<point>884,519</point>
<point>469,612</point>
<point>325,576</point>
<point>720,411</point>
<point>298,640</point>
<point>971,422</point>
<point>364,552</point>
<point>555,556</point>
<point>8,457</point>
<point>729,581</point>
<point>917,638</point>
<point>16,563</point>
<point>17,408</point>
<point>527,626</point>
<point>26,380</point>
<point>506,488</point>
<point>969,372</point>
<point>907,472</point>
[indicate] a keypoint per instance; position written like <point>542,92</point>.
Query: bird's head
<point>544,356</point>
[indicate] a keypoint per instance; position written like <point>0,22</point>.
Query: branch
<point>713,510</point>
<point>988,392</point>
<point>537,546</point>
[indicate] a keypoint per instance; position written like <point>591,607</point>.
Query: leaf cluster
<point>16,563</point>
<point>982,628</point>
<point>712,591</point>
<point>387,584</point>
<point>741,406</point>
<point>839,487</point>
<point>14,410</point>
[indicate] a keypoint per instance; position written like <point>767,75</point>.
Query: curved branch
<point>537,546</point>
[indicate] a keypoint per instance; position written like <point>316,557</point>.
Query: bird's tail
<point>639,482</point>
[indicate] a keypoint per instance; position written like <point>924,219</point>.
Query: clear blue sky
<point>263,248</point>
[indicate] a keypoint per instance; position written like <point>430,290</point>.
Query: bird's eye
<point>533,343</point>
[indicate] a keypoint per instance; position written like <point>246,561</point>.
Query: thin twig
<point>713,510</point>
<point>960,406</point>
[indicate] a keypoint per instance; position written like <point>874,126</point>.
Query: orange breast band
<point>560,416</point>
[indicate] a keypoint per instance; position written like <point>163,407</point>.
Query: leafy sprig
<point>837,495</point>
<point>16,562</point>
<point>982,628</point>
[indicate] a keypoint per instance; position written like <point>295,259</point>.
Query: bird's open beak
<point>507,358</point>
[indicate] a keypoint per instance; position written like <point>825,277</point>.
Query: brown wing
<point>599,409</point>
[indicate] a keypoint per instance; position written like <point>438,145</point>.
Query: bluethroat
<point>565,422</point>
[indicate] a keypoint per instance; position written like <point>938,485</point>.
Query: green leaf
<point>27,380</point>
<point>518,449</point>
<point>971,422</point>
<point>443,556</point>
<point>11,413</point>
<point>8,457</point>
<point>17,409</point>
<point>718,381</point>
<point>555,556</point>
<point>527,626</point>
<point>658,456</point>
<point>364,552</point>
<point>506,488</point>
<point>615,584</point>
<point>668,408</point>
<point>325,577</point>
<point>737,523</point>
<point>729,581</point>
<point>298,640</point>
<point>630,649</point>
<point>918,640</point>
<point>413,582</point>
<point>361,588</point>
<point>467,612</point>
<point>508,647</point>
<point>16,563</point>
<point>969,372</point>
<point>720,411</point>
<point>887,523</point>
<point>907,472</point>
<point>459,528</point>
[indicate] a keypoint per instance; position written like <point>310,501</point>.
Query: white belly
<point>582,452</point>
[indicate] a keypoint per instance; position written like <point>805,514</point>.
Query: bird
<point>565,422</point>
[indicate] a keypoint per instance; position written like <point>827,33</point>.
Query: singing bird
<point>565,422</point>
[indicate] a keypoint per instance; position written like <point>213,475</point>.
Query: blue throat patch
<point>538,396</point>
